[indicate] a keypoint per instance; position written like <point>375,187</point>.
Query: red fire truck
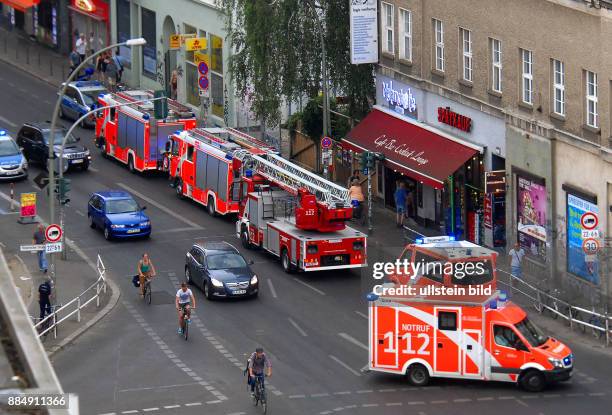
<point>205,165</point>
<point>297,216</point>
<point>131,133</point>
<point>458,335</point>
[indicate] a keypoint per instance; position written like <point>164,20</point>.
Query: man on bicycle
<point>185,302</point>
<point>256,365</point>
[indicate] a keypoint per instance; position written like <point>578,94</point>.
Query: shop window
<point>149,51</point>
<point>216,94</point>
<point>124,31</point>
<point>447,320</point>
<point>216,58</point>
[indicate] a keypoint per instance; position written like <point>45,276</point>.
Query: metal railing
<point>62,313</point>
<point>600,324</point>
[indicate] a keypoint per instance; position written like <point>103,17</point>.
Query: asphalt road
<point>312,326</point>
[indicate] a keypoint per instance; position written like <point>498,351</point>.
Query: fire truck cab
<point>131,134</point>
<point>485,337</point>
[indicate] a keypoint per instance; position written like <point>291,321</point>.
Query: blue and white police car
<point>80,98</point>
<point>13,164</point>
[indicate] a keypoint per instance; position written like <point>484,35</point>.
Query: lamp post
<point>62,91</point>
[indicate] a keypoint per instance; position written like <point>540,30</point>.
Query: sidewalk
<point>73,276</point>
<point>29,56</point>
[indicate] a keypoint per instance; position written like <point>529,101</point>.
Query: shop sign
<point>531,216</point>
<point>186,36</point>
<point>402,149</point>
<point>461,122</point>
<point>199,57</point>
<point>488,211</point>
<point>196,43</point>
<point>174,42</point>
<point>401,101</point>
<point>94,8</point>
<point>364,31</point>
<point>580,262</point>
<point>495,181</point>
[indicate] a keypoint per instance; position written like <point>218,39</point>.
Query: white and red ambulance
<point>130,132</point>
<point>482,337</point>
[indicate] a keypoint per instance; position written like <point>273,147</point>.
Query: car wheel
<point>418,375</point>
<point>211,206</point>
<point>244,238</point>
<point>103,146</point>
<point>85,167</point>
<point>533,381</point>
<point>188,276</point>
<point>207,291</point>
<point>107,233</point>
<point>131,167</point>
<point>286,262</point>
<point>179,189</point>
<point>92,225</point>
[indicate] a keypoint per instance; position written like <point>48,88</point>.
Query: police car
<point>13,164</point>
<point>80,98</point>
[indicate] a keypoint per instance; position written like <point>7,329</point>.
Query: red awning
<point>20,5</point>
<point>415,149</point>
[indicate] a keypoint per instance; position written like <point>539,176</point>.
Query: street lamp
<point>50,161</point>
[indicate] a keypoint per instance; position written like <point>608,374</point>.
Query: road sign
<point>203,68</point>
<point>326,142</point>
<point>175,42</point>
<point>589,220</point>
<point>203,82</point>
<point>365,171</point>
<point>32,248</point>
<point>42,180</point>
<point>204,92</point>
<point>54,247</point>
<point>53,233</point>
<point>590,246</point>
<point>196,43</point>
<point>28,204</point>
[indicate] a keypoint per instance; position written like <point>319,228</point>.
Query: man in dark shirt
<point>44,294</point>
<point>39,239</point>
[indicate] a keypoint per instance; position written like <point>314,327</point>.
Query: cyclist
<point>185,302</point>
<point>146,270</point>
<point>256,365</point>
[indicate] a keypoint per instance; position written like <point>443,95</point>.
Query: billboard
<point>364,31</point>
<point>578,263</point>
<point>531,216</point>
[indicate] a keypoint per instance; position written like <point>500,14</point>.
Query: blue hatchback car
<point>118,215</point>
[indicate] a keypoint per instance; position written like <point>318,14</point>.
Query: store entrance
<point>392,180</point>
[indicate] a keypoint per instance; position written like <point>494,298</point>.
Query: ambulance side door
<point>508,352</point>
<point>447,351</point>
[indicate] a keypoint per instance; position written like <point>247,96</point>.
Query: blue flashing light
<point>419,241</point>
<point>493,305</point>
<point>371,297</point>
<point>451,238</point>
<point>146,116</point>
<point>502,296</point>
<point>229,157</point>
<point>177,132</point>
<point>249,173</point>
<point>2,132</point>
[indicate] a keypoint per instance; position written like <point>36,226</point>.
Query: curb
<point>22,68</point>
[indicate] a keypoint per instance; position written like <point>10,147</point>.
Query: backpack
<point>136,281</point>
<point>44,288</point>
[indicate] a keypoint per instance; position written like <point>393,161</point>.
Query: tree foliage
<point>277,53</point>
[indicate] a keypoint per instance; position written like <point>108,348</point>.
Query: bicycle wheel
<point>264,401</point>
<point>555,310</point>
<point>185,328</point>
<point>148,294</point>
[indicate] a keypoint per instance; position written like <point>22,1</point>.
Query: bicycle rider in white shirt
<point>185,301</point>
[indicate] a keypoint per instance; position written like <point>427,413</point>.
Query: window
<point>527,77</point>
<point>447,320</point>
<point>496,65</point>
<point>124,31</point>
<point>217,92</point>
<point>466,45</point>
<point>505,336</point>
<point>190,150</point>
<point>558,87</point>
<point>405,34</point>
<point>591,99</point>
<point>387,27</point>
<point>438,28</point>
<point>149,52</point>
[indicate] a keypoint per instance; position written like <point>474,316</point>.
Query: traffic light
<point>371,159</point>
<point>63,187</point>
<point>363,161</point>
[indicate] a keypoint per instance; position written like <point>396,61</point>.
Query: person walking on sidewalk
<point>357,198</point>
<point>75,60</point>
<point>516,259</point>
<point>39,238</point>
<point>111,73</point>
<point>81,46</point>
<point>400,204</point>
<point>44,298</point>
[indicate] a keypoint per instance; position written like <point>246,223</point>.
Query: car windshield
<point>59,136</point>
<point>91,96</point>
<point>121,206</point>
<point>225,261</point>
<point>8,148</point>
<point>531,333</point>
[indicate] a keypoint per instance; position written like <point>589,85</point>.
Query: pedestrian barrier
<point>62,313</point>
<point>599,324</point>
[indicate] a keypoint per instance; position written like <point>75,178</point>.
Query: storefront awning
<point>20,5</point>
<point>411,147</point>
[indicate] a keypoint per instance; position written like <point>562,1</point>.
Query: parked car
<point>13,164</point>
<point>220,271</point>
<point>80,98</point>
<point>34,139</point>
<point>118,215</point>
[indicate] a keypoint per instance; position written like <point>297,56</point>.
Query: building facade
<point>153,65</point>
<point>533,81</point>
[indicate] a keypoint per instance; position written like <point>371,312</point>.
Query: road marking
<point>298,328</point>
<point>94,169</point>
<point>353,340</point>
<point>7,122</point>
<point>133,411</point>
<point>160,206</point>
<point>319,395</point>
<point>393,404</point>
<point>360,314</point>
<point>344,365</point>
<point>272,289</point>
<point>365,391</point>
<point>315,289</point>
<point>78,212</point>
<point>172,406</point>
<point>597,394</point>
<point>296,396</point>
<point>442,401</point>
<point>193,404</point>
<point>461,400</point>
<point>178,385</point>
<point>416,403</point>
<point>150,409</point>
<point>369,405</point>
<point>487,398</point>
<point>342,393</point>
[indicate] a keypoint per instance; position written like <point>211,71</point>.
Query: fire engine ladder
<point>283,171</point>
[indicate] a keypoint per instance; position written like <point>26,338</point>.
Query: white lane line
<point>133,411</point>
<point>178,385</point>
<point>272,289</point>
<point>353,340</point>
<point>94,169</point>
<point>296,396</point>
<point>193,404</point>
<point>78,212</point>
<point>109,413</point>
<point>360,314</point>
<point>7,122</point>
<point>315,289</point>
<point>172,406</point>
<point>298,328</point>
<point>393,404</point>
<point>160,206</point>
<point>150,409</point>
<point>344,365</point>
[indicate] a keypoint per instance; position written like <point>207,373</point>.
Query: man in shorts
<point>185,302</point>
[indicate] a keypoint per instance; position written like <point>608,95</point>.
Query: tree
<point>277,53</point>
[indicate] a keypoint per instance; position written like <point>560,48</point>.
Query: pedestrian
<point>410,209</point>
<point>40,239</point>
<point>357,198</point>
<point>44,298</point>
<point>75,60</point>
<point>174,85</point>
<point>81,46</point>
<point>111,72</point>
<point>92,42</point>
<point>354,177</point>
<point>516,258</point>
<point>101,66</point>
<point>119,61</point>
<point>400,203</point>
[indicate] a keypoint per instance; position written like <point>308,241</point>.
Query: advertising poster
<point>578,263</point>
<point>28,204</point>
<point>531,216</point>
<point>364,31</point>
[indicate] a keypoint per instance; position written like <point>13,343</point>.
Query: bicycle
<point>185,327</point>
<point>260,395</point>
<point>147,290</point>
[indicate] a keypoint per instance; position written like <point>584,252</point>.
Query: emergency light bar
<point>434,239</point>
<point>2,132</point>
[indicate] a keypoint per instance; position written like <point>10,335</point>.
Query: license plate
<point>338,258</point>
<point>236,292</point>
<point>77,161</point>
<point>11,173</point>
<point>133,230</point>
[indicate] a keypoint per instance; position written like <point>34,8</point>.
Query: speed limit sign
<point>590,246</point>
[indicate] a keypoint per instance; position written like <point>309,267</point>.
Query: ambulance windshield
<point>473,272</point>
<point>531,333</point>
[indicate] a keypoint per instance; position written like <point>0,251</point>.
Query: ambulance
<point>481,337</point>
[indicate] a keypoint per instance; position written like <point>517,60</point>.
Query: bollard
<point>79,309</point>
<point>12,197</point>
